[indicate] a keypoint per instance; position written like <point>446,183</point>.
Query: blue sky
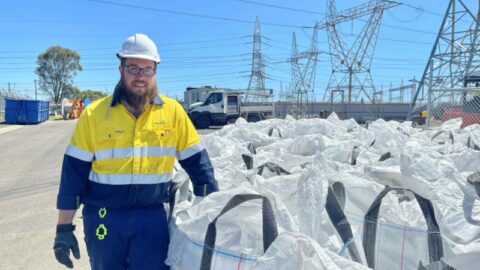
<point>211,49</point>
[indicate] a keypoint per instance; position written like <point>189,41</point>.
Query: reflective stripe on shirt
<point>129,179</point>
<point>143,151</point>
<point>79,153</point>
<point>190,151</point>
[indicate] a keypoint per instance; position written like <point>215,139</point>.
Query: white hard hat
<point>139,46</point>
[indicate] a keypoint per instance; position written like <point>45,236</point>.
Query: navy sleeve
<point>73,182</point>
<point>200,170</point>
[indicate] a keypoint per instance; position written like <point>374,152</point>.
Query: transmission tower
<point>256,86</point>
<point>454,55</point>
<point>304,66</point>
<point>351,65</point>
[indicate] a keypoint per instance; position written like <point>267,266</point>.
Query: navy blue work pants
<point>120,239</point>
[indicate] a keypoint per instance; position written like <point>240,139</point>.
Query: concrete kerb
<point>4,128</point>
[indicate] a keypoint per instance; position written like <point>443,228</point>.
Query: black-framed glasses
<point>134,70</point>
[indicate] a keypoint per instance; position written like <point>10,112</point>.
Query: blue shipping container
<point>21,111</point>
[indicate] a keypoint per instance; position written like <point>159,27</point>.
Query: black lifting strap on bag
<point>270,232</point>
<point>334,206</point>
<point>248,160</point>
<point>471,144</point>
<point>439,265</point>
<point>435,246</point>
<point>450,135</point>
<point>252,148</point>
<point>272,167</point>
<point>474,179</point>
<point>355,152</point>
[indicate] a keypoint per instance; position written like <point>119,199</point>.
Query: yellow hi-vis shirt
<point>132,159</point>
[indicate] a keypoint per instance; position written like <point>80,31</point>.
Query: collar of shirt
<point>157,100</point>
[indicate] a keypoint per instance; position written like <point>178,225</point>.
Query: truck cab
<point>222,106</point>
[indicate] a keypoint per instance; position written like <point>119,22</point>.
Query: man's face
<point>138,84</point>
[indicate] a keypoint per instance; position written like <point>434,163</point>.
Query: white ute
<point>221,107</point>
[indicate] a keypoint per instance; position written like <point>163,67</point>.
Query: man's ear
<point>120,68</point>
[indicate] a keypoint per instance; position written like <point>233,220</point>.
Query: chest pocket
<point>112,138</point>
<point>161,136</point>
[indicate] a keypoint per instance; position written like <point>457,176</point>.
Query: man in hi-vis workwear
<point>119,166</point>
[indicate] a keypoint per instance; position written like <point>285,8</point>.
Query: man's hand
<point>64,241</point>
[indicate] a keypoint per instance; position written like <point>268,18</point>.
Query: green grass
<point>55,117</point>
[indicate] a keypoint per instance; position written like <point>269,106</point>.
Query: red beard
<point>136,101</point>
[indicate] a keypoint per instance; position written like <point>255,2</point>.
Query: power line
<point>282,7</point>
<point>408,29</point>
<point>190,14</point>
<point>396,27</point>
<point>393,16</point>
<point>116,48</point>
<point>112,57</point>
<point>37,51</point>
<point>56,21</point>
<point>406,41</point>
<point>420,8</point>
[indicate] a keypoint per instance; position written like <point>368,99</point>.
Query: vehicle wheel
<point>203,122</point>
<point>232,120</point>
<point>253,118</point>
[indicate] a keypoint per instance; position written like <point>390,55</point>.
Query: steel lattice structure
<point>351,65</point>
<point>256,86</point>
<point>304,66</point>
<point>455,55</point>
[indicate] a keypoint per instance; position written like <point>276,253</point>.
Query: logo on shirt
<point>160,123</point>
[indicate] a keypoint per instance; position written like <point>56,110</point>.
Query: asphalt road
<point>30,165</point>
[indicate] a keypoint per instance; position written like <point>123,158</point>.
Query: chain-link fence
<point>2,109</point>
<point>446,104</point>
<point>55,109</point>
<point>361,112</point>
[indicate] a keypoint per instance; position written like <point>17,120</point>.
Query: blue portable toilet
<point>86,103</point>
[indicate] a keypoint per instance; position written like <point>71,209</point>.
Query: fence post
<point>429,105</point>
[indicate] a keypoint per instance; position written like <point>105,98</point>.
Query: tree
<point>56,68</point>
<point>71,91</point>
<point>92,94</point>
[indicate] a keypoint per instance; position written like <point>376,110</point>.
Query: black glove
<point>64,241</point>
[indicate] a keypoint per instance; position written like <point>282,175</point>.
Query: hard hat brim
<point>139,56</point>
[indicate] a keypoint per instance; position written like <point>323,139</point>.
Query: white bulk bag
<point>367,226</point>
<point>389,245</point>
<point>227,230</point>
<point>297,251</point>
